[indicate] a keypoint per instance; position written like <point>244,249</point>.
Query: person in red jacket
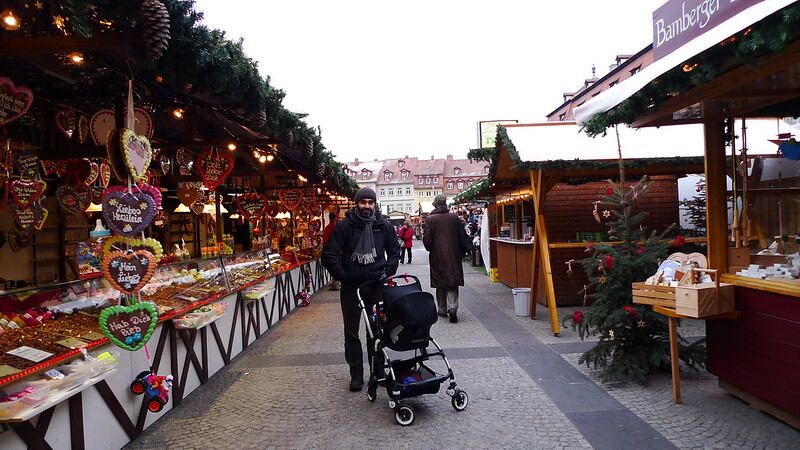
<point>405,234</point>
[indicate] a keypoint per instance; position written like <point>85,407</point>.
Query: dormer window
<point>365,174</point>
<point>387,176</point>
<point>400,163</point>
<point>456,170</point>
<point>485,169</point>
<point>404,174</point>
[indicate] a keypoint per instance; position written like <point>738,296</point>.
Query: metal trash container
<point>522,301</point>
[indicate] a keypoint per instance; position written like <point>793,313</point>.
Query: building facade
<point>428,183</point>
<point>459,174</point>
<point>395,185</point>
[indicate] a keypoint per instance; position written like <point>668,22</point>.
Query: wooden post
<point>218,200</point>
<point>539,192</point>
<point>534,251</point>
<point>716,186</point>
<point>675,360</point>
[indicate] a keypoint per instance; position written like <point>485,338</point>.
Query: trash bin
<point>522,301</point>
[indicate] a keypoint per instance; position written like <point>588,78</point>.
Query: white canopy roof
<point>551,141</point>
<point>617,94</point>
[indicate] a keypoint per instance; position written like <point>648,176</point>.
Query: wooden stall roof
<point>562,147</point>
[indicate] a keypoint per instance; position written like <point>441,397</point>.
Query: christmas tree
<point>695,209</point>
<point>633,339</point>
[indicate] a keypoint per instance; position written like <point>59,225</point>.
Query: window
<point>400,163</point>
<point>613,83</point>
<point>387,175</point>
<point>404,174</point>
<point>427,193</point>
<point>449,185</point>
<point>460,185</point>
<point>485,169</point>
<point>435,180</point>
<point>383,192</point>
<point>420,180</point>
<point>365,174</point>
<point>427,180</point>
<point>636,70</point>
<point>456,170</point>
<point>562,116</point>
<point>391,192</point>
<point>408,191</point>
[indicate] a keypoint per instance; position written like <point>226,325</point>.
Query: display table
<point>192,356</point>
<point>514,261</point>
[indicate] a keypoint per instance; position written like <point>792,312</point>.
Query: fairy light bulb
<point>75,58</point>
<point>231,146</point>
<point>262,159</point>
<point>9,20</point>
<point>178,113</point>
<point>270,157</point>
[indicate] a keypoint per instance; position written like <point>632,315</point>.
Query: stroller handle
<point>387,279</point>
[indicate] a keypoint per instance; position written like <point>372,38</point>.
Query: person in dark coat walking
<point>363,247</point>
<point>445,239</point>
<point>405,234</point>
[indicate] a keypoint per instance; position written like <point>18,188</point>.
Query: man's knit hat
<point>365,192</point>
<point>439,200</point>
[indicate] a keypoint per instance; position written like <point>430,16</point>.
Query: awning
<point>614,96</point>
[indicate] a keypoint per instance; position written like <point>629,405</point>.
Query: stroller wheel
<point>404,415</point>
<point>460,401</point>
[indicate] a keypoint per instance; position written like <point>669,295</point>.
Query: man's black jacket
<point>337,252</point>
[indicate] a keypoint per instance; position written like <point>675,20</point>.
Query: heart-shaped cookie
<point>164,163</point>
<point>14,101</point>
<point>67,122</point>
<point>129,213</point>
<point>100,125</point>
<point>197,207</point>
<point>290,198</point>
<point>136,153</point>
<point>35,216</point>
<point>189,194</point>
<point>49,166</point>
<point>83,129</point>
<point>214,167</point>
<point>185,160</point>
<point>251,206</point>
<point>27,191</point>
<point>74,199</point>
<point>143,123</point>
<point>94,172</point>
<point>105,173</point>
<point>128,271</point>
<point>120,243</point>
<point>27,164</point>
<point>129,327</point>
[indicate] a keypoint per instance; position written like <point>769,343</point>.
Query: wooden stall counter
<point>514,261</point>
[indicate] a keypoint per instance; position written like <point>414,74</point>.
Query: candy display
<point>201,316</point>
<point>246,268</point>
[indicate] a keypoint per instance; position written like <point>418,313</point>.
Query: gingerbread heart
<point>129,327</point>
<point>290,198</point>
<point>104,173</point>
<point>94,173</point>
<point>14,101</point>
<point>27,164</point>
<point>188,194</point>
<point>136,153</point>
<point>49,166</point>
<point>128,271</point>
<point>100,125</point>
<point>165,163</point>
<point>251,206</point>
<point>120,243</point>
<point>74,199</point>
<point>214,167</point>
<point>197,207</point>
<point>185,160</point>
<point>129,213</point>
<point>27,191</point>
<point>143,123</point>
<point>34,216</point>
<point>67,123</point>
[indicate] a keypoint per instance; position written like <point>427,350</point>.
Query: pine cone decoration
<point>155,28</point>
<point>321,171</point>
<point>309,149</point>
<point>290,137</point>
<point>261,119</point>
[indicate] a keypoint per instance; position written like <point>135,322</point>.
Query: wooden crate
<point>704,299</point>
<point>647,294</point>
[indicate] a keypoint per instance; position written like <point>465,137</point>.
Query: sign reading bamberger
<point>680,21</point>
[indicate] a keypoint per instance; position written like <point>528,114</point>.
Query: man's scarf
<point>364,252</point>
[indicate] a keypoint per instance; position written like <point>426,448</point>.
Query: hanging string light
<point>9,20</point>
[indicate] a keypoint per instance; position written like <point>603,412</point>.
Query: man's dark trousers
<point>352,318</point>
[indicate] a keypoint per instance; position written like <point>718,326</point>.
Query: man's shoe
<point>453,317</point>
<point>442,314</point>
<point>356,384</point>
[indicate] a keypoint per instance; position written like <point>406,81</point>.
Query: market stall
<point>161,212</point>
<point>742,66</point>
<point>547,179</point>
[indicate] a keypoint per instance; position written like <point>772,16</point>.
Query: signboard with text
<point>487,132</point>
<point>679,21</point>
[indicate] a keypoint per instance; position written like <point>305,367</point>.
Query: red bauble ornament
<point>609,191</point>
<point>640,249</point>
<point>631,311</point>
<point>577,316</point>
<point>679,240</point>
<point>608,262</point>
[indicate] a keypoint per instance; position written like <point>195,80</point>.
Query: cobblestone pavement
<point>289,390</point>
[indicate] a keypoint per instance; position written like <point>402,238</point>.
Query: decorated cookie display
<point>74,199</point>
<point>120,243</point>
<point>34,217</point>
<point>14,101</point>
<point>67,123</point>
<point>136,154</point>
<point>129,327</point>
<point>130,212</point>
<point>291,198</point>
<point>197,207</point>
<point>251,206</point>
<point>104,175</point>
<point>83,129</point>
<point>93,173</point>
<point>214,167</point>
<point>189,194</point>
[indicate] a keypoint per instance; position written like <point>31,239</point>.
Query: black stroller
<point>401,320</point>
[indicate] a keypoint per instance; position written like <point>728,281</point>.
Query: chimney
<point>449,157</point>
<point>431,157</point>
<point>406,157</point>
<point>568,96</point>
<point>356,162</point>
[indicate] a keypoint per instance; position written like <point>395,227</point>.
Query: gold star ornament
<point>606,213</point>
<point>640,324</point>
<point>602,279</point>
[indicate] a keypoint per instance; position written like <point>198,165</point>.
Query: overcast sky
<point>388,79</point>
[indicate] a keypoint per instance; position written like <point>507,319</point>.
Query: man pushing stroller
<point>363,247</point>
